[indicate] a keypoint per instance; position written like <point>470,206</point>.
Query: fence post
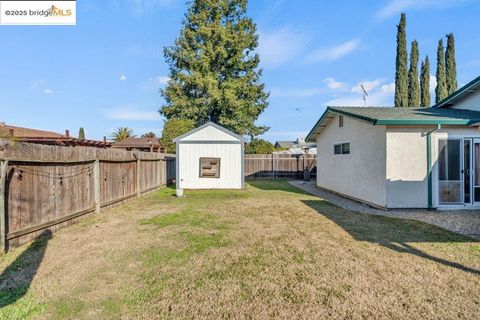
<point>139,192</point>
<point>96,182</point>
<point>161,170</point>
<point>273,167</point>
<point>3,176</point>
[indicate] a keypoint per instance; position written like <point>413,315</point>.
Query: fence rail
<point>274,166</point>
<point>50,186</point>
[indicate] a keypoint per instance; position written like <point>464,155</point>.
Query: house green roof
<point>399,116</point>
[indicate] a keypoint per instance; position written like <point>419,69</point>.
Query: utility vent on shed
<point>209,167</point>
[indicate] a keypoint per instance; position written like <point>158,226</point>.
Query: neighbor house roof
<point>293,144</point>
<point>467,89</point>
<point>140,143</point>
<point>47,137</point>
<point>285,144</point>
<point>398,116</point>
<point>20,132</point>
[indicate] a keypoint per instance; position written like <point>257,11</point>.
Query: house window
<point>341,148</point>
<point>209,167</point>
<point>340,121</point>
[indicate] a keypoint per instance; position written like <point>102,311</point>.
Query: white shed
<point>210,157</point>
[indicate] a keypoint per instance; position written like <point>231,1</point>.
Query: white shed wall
<point>188,157</point>
<point>361,174</point>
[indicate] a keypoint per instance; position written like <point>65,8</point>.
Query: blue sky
<point>105,72</point>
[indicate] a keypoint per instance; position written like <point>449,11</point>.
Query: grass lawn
<point>269,251</point>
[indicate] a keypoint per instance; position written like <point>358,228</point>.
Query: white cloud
<point>335,52</point>
<point>394,7</point>
<point>162,79</point>
<point>123,77</point>
<point>433,83</point>
<point>132,114</point>
<point>37,83</point>
<point>334,84</point>
<point>279,46</point>
<point>388,88</point>
<point>48,91</point>
<point>368,85</point>
<point>379,92</point>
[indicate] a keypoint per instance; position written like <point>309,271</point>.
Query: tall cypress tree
<point>425,83</point>
<point>214,68</point>
<point>441,91</point>
<point>450,65</point>
<point>81,133</point>
<point>401,75</point>
<point>413,85</point>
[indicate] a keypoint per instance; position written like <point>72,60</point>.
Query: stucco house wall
<point>469,102</point>
<point>361,174</point>
<point>406,163</point>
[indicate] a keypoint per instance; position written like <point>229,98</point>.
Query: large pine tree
<point>450,65</point>
<point>401,75</point>
<point>441,91</point>
<point>214,68</point>
<point>413,85</point>
<point>425,83</point>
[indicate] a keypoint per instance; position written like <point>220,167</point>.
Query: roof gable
<point>209,132</point>
<point>461,93</point>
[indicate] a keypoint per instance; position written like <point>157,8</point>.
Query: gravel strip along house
<point>403,157</point>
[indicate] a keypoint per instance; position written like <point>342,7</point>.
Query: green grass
<point>269,251</point>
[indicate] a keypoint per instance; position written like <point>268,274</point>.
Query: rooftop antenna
<point>364,94</point>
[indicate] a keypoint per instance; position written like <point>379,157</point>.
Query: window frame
<point>217,176</point>
<point>342,152</point>
<point>340,121</point>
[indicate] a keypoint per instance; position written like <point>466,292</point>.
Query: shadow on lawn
<point>392,233</point>
<point>16,279</point>
<point>275,185</point>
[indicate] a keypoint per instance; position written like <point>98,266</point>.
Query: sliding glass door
<point>450,173</point>
<point>476,171</point>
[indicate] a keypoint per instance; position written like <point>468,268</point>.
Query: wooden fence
<point>275,166</point>
<point>49,186</point>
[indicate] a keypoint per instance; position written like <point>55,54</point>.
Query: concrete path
<point>466,222</point>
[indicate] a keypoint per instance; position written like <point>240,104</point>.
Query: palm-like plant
<point>122,133</point>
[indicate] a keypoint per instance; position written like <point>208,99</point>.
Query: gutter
<point>429,164</point>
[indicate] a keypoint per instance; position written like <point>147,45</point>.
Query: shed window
<point>209,167</point>
<point>341,148</point>
<point>340,121</point>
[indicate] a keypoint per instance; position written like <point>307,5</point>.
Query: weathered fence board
<point>274,166</point>
<point>50,186</point>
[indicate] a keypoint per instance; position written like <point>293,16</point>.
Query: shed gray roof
<point>399,116</point>
<point>212,124</point>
